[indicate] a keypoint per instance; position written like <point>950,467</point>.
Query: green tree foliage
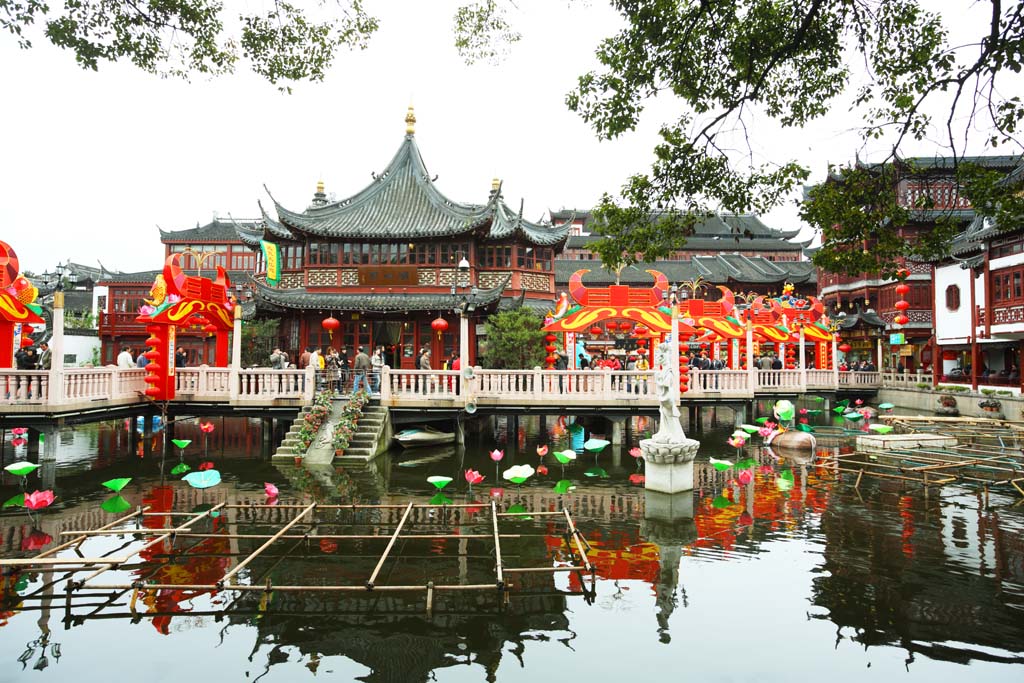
<point>282,42</point>
<point>514,340</point>
<point>727,61</point>
<point>258,339</point>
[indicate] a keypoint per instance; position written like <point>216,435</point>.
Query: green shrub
<point>1003,392</point>
<point>988,392</point>
<point>924,385</point>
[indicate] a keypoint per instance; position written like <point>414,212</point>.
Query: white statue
<point>669,430</point>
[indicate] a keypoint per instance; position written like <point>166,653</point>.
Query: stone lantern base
<point>669,466</point>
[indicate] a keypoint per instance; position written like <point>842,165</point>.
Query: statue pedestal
<point>669,466</point>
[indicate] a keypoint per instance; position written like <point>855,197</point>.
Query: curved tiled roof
<point>301,298</point>
<point>404,204</point>
<point>722,269</point>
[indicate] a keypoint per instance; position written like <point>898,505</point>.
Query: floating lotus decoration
<point>886,406</point>
<point>542,469</point>
<point>784,410</point>
<point>637,479</point>
<point>738,439</point>
<point>565,457</point>
<point>115,505</point>
<point>181,468</point>
<point>22,468</point>
<point>595,446</point>
<point>598,472</point>
<point>881,429</point>
<point>203,466</point>
<point>270,490</point>
<point>37,500</point>
<point>202,480</point>
<point>745,477</point>
<point>767,430</point>
<point>440,499</point>
<point>439,481</point>
<point>116,485</point>
<point>542,450</point>
<point>517,474</point>
<point>749,429</point>
<point>563,486</point>
<point>19,431</point>
<point>473,477</point>
<point>497,455</point>
<point>720,465</point>
<point>206,427</point>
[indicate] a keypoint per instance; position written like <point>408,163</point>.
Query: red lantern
<point>901,319</point>
<point>612,325</point>
<point>844,347</point>
<point>550,338</point>
<point>902,305</point>
<point>330,324</point>
<point>641,343</point>
<point>902,289</point>
<point>596,331</point>
<point>550,348</point>
<point>625,328</point>
<point>640,330</point>
<point>550,360</point>
<point>439,325</point>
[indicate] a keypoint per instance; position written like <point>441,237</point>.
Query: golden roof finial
<point>495,184</point>
<point>320,187</point>
<point>410,122</point>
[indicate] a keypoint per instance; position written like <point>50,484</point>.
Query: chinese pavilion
<point>398,263</point>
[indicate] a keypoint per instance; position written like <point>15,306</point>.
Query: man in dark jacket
<point>361,367</point>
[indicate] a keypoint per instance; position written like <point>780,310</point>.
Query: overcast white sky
<point>94,162</point>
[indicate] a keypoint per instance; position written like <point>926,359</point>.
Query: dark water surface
<point>781,579</point>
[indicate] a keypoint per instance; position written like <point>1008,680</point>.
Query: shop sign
<point>897,338</point>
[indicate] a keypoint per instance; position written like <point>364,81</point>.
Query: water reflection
<point>906,578</point>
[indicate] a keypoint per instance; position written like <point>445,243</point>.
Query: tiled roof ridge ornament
<point>410,121</point>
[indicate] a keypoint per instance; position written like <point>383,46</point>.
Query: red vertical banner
<point>821,362</point>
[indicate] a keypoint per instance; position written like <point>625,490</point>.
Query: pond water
<point>793,575</point>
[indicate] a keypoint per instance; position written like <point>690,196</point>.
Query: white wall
<point>80,346</point>
<point>953,327</point>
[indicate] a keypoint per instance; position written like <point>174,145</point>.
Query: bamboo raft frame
<point>301,528</point>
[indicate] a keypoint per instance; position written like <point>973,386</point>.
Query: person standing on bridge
<point>124,359</point>
<point>360,366</point>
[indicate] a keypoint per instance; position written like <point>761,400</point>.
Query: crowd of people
<point>335,370</point>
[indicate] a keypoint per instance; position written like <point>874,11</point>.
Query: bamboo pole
<point>160,539</point>
<point>387,550</point>
<point>575,536</point>
<point>212,588</point>
<point>499,572</point>
<point>334,537</point>
<point>544,570</point>
<point>75,541</point>
<point>252,556</point>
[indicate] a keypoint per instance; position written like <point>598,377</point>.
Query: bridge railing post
<point>385,384</point>
<point>538,383</point>
<point>309,387</point>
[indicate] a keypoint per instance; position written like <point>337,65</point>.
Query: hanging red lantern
<point>625,328</point>
<point>640,330</point>
<point>612,325</point>
<point>330,324</point>
<point>844,347</point>
<point>901,319</point>
<point>199,320</point>
<point>550,348</point>
<point>902,305</point>
<point>596,331</point>
<point>641,343</point>
<point>550,360</point>
<point>550,338</point>
<point>902,289</point>
<point>439,325</point>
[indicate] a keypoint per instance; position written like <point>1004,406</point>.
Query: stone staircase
<point>291,446</point>
<point>371,436</point>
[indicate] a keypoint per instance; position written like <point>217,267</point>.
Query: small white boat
<point>423,436</point>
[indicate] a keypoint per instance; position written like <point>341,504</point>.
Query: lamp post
<point>464,308</point>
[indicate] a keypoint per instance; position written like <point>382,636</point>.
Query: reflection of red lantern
<point>901,319</point>
<point>844,347</point>
<point>596,331</point>
<point>902,289</point>
<point>330,324</point>
<point>439,325</point>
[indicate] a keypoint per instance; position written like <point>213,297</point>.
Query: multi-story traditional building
<point>979,303</point>
<point>398,264</point>
<point>872,298</point>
